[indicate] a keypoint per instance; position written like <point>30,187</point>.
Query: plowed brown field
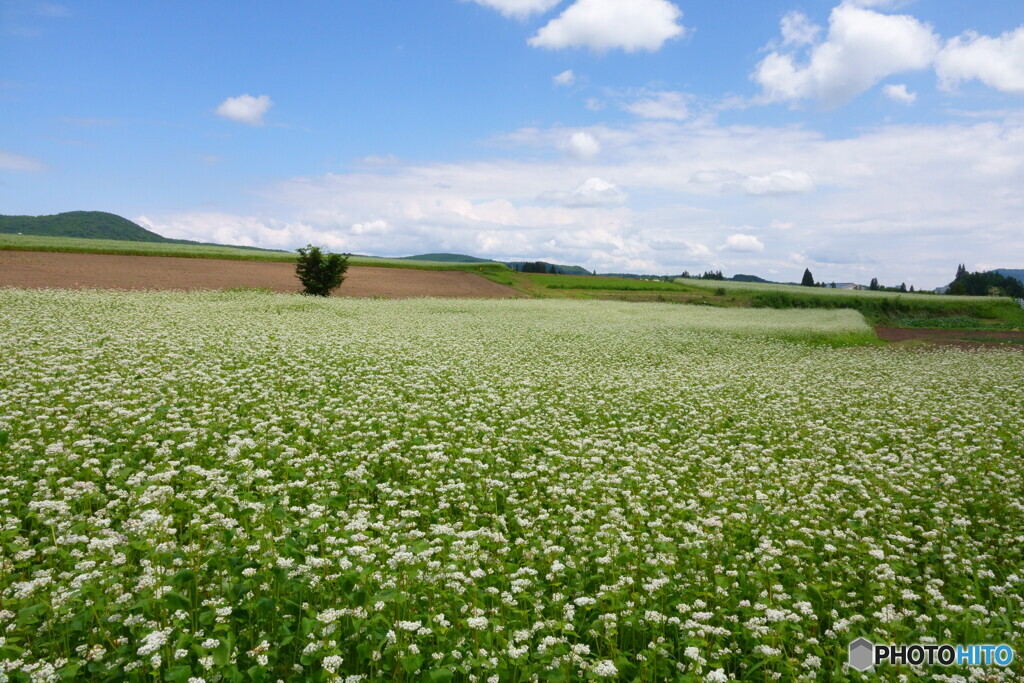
<point>965,339</point>
<point>110,271</point>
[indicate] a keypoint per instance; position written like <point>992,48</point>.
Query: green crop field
<point>256,487</point>
<point>733,286</point>
<point>101,246</point>
<point>879,308</point>
<point>617,284</point>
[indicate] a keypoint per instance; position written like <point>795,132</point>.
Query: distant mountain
<point>749,278</point>
<point>87,224</point>
<point>447,258</point>
<point>560,269</point>
<point>1016,273</point>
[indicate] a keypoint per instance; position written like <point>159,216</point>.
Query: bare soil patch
<point>965,339</point>
<point>114,271</point>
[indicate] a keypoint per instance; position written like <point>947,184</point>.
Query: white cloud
<point>248,231</point>
<point>783,181</point>
<point>371,227</point>
<point>565,78</point>
<point>743,243</point>
<point>862,48</point>
<point>797,29</point>
<point>779,182</point>
<point>245,109</point>
<point>887,190</point>
<point>519,8</point>
<point>899,93</point>
<point>582,145</point>
<point>996,62</point>
<point>592,192</point>
<point>601,25</point>
<point>9,161</point>
<point>661,105</point>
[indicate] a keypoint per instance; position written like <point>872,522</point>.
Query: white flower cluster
<point>430,489</point>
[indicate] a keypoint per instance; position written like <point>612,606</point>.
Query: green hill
<point>1017,273</point>
<point>560,269</point>
<point>87,224</point>
<point>447,258</point>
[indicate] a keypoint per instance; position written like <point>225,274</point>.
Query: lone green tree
<point>320,273</point>
<point>808,280</point>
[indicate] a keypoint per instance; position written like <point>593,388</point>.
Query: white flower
<point>332,663</point>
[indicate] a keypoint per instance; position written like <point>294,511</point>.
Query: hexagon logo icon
<point>862,654</point>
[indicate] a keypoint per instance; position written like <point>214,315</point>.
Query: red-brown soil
<point>965,339</point>
<point>114,271</point>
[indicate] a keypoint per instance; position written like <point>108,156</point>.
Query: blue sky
<point>859,138</point>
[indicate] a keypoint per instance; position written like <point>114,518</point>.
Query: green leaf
<point>178,674</point>
<point>435,675</point>
<point>411,664</point>
<point>222,653</point>
<point>176,601</point>
<point>10,652</point>
<point>183,578</point>
<point>69,672</point>
<point>27,613</point>
<point>626,668</point>
<point>232,674</point>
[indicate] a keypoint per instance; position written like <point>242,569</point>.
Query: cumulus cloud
<point>519,8</point>
<point>899,93</point>
<point>565,78</point>
<point>248,231</point>
<point>602,25</point>
<point>9,161</point>
<point>371,227</point>
<point>582,145</point>
<point>783,181</point>
<point>245,109</point>
<point>797,29</point>
<point>661,105</point>
<point>743,243</point>
<point>996,62</point>
<point>862,47</point>
<point>592,192</point>
<point>779,182</point>
<point>889,191</point>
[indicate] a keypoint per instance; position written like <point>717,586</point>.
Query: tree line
<point>989,283</point>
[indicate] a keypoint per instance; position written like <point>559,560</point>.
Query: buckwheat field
<point>255,487</point>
